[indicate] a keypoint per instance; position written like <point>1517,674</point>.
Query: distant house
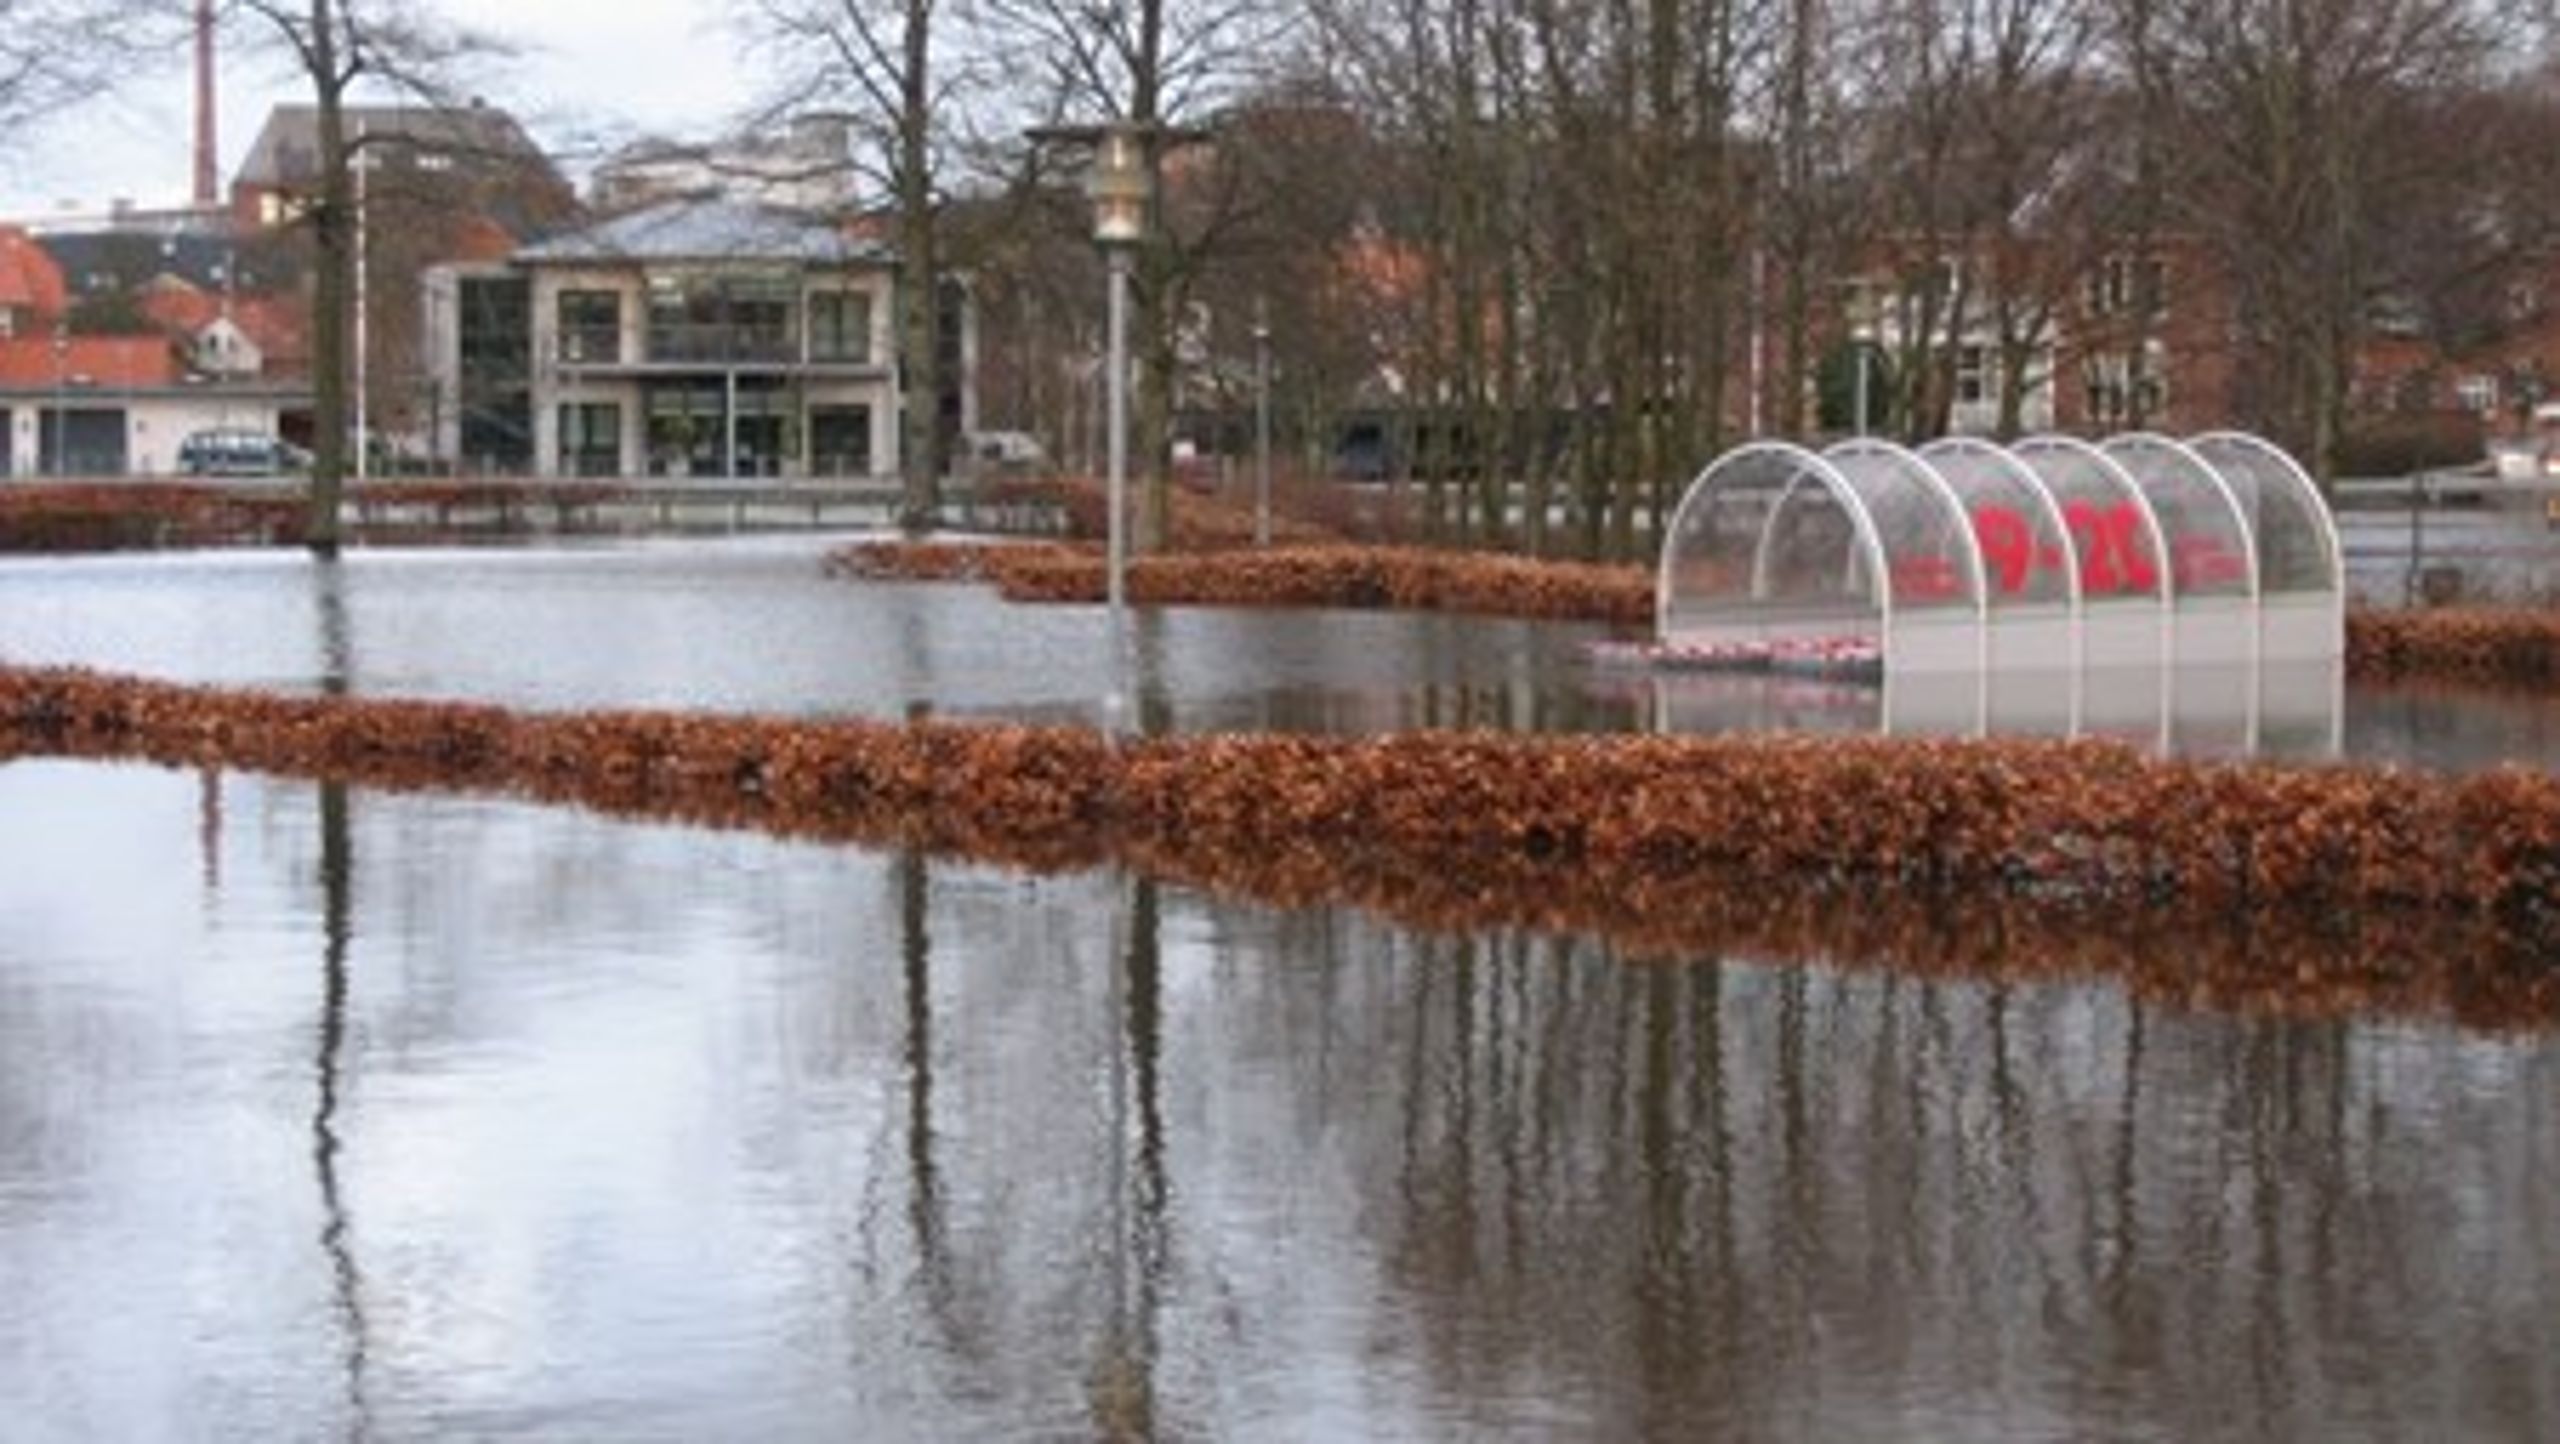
<point>90,406</point>
<point>119,405</point>
<point>475,156</point>
<point>2118,339</point>
<point>807,166</point>
<point>700,337</point>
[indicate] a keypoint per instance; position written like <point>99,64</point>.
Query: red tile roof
<point>178,306</point>
<point>89,362</point>
<point>28,277</point>
<point>478,238</point>
<point>280,326</point>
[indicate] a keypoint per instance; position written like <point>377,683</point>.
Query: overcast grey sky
<point>663,66</point>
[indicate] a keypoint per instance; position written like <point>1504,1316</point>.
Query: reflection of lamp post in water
<point>1122,1384</point>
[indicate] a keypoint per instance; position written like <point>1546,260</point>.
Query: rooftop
<point>28,363</point>
<point>709,229</point>
<point>29,278</point>
<point>287,150</point>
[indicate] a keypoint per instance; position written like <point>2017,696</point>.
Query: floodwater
<point>334,1114</point>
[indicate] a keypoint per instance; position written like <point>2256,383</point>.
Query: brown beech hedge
<point>1406,578</point>
<point>2314,889</point>
<point>2510,646</point>
<point>102,516</point>
<point>2515,646</point>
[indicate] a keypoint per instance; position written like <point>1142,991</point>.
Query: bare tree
<point>55,52</point>
<point>1983,121</point>
<point>2297,129</point>
<point>881,64</point>
<point>1161,65</point>
<point>336,47</point>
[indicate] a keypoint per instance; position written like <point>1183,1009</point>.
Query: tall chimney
<point>208,184</point>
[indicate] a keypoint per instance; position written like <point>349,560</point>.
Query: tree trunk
<point>920,461</point>
<point>333,222</point>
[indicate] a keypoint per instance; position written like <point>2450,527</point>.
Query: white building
<point>700,337</point>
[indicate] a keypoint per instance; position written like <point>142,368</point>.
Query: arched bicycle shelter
<point>2050,553</point>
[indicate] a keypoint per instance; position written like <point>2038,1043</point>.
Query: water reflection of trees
<point>1720,1200</point>
<point>1481,1182</point>
<point>1681,1198</point>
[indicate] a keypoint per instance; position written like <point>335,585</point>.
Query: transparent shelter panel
<point>2123,634</point>
<point>2026,701</point>
<point>1712,702</point>
<point>1932,564</point>
<point>2301,561</point>
<point>2128,703</point>
<point>1941,703</point>
<point>2033,638</point>
<point>2213,632</point>
<point>1935,641</point>
<point>2027,556</point>
<point>2213,709</point>
<point>2114,533</point>
<point>1703,626</point>
<point>2302,708</point>
<point>2302,626</point>
<point>1769,536</point>
<point>2210,550</point>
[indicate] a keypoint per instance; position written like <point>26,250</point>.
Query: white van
<point>225,452</point>
<point>1007,451</point>
<point>2532,459</point>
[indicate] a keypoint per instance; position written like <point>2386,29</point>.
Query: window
<point>1973,375</point>
<point>747,316</point>
<point>590,438</point>
<point>590,326</point>
<point>2122,392</point>
<point>494,334</point>
<point>840,326</point>
<point>840,440</point>
<point>2127,285</point>
<point>2479,392</point>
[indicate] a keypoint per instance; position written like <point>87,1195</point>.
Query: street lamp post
<point>1120,186</point>
<point>1261,426</point>
<point>361,162</point>
<point>61,399</point>
<point>1862,353</point>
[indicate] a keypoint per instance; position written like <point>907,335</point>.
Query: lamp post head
<point>1120,186</point>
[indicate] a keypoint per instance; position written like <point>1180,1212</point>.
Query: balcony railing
<point>769,346</point>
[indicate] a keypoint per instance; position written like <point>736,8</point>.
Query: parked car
<point>1006,452</point>
<point>2531,459</point>
<point>230,452</point>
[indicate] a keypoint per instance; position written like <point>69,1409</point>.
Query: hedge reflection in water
<point>2316,891</point>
